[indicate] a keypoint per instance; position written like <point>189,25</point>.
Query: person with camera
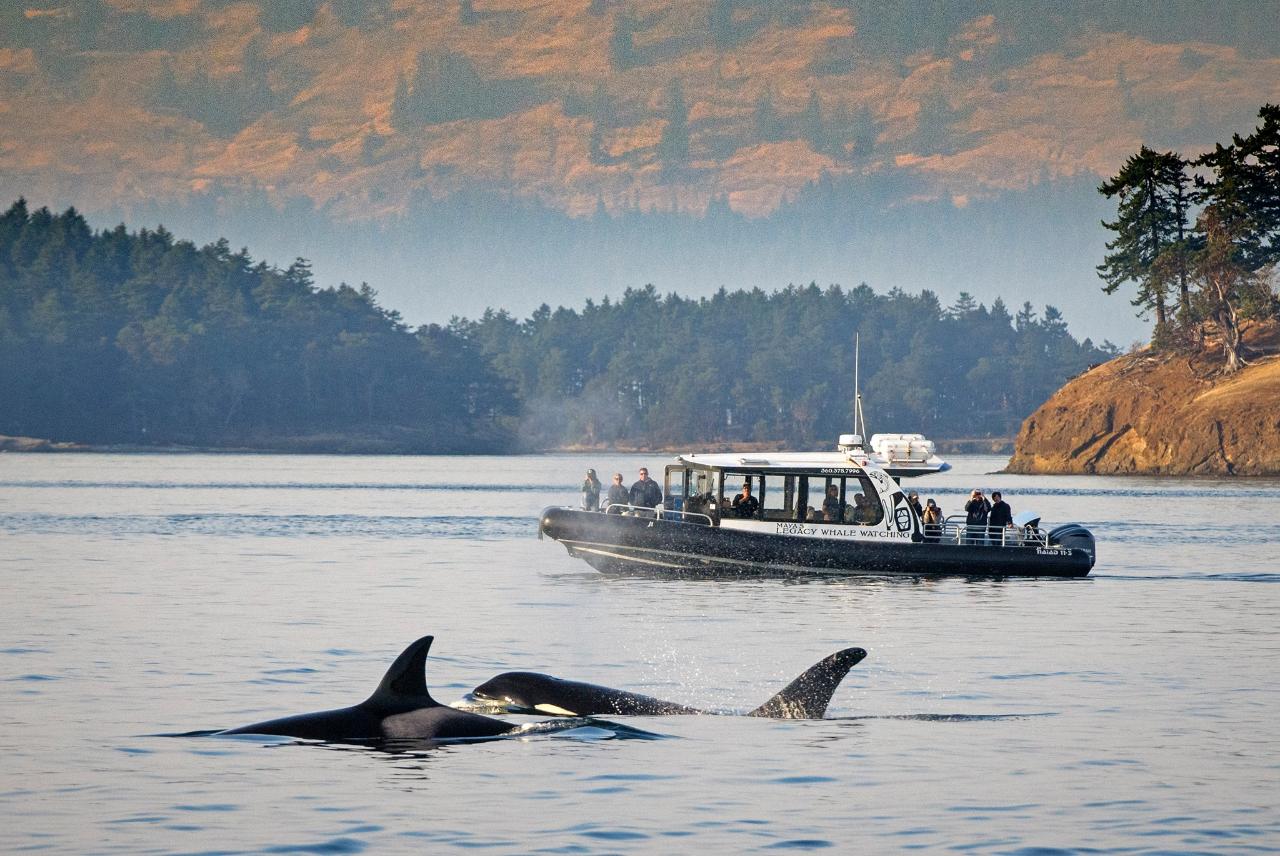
<point>976,511</point>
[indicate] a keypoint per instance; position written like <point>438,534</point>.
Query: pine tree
<point>1240,225</point>
<point>1150,220</point>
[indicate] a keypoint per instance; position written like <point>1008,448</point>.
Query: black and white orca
<point>401,708</point>
<point>806,697</point>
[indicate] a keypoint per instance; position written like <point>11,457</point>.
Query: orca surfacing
<point>401,708</point>
<point>806,697</point>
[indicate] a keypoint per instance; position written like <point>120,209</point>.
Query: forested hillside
<point>115,337</point>
<point>119,337</point>
<point>749,365</point>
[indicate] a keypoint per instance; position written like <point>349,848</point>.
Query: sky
<point>465,155</point>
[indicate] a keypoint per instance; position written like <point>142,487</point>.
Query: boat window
<point>731,485</point>
<point>863,508</point>
<point>673,485</point>
<point>839,499</point>
<point>778,499</point>
<point>821,503</point>
<point>697,482</point>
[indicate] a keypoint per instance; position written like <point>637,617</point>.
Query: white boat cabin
<point>836,494</point>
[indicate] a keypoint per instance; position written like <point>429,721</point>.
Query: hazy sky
<point>489,153</point>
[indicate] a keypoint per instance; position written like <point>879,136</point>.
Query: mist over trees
<point>1202,235</point>
<point>120,337</point>
<point>757,366</point>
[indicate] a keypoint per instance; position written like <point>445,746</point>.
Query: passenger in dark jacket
<point>744,504</point>
<point>618,495</point>
<point>1000,517</point>
<point>976,511</point>
<point>646,492</point>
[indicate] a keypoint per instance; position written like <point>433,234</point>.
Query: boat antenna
<point>859,422</point>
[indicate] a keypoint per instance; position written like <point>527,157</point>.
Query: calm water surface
<point>1134,711</point>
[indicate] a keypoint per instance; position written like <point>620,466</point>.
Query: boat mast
<point>859,422</point>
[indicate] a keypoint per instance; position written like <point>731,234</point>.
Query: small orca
<point>400,708</point>
<point>804,698</point>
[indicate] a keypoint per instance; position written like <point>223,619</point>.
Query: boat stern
<point>1073,536</point>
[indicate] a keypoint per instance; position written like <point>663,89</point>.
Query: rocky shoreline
<point>1162,414</point>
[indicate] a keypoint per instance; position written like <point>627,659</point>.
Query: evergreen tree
<point>1150,221</point>
<point>1240,228</point>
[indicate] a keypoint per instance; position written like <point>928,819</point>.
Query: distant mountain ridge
<point>301,118</point>
<point>652,105</point>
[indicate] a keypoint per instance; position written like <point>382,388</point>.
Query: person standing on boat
<point>645,492</point>
<point>618,494</point>
<point>933,521</point>
<point>591,492</point>
<point>744,504</point>
<point>1000,517</point>
<point>976,511</point>
<point>913,499</point>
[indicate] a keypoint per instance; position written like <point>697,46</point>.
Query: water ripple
<point>286,526</point>
<point>317,486</point>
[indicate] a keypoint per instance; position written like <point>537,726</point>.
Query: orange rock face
<point>1161,415</point>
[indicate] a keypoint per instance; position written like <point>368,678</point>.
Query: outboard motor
<point>1074,536</point>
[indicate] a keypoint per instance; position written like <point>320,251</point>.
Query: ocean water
<point>150,595</point>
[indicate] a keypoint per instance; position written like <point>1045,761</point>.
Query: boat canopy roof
<point>781,461</point>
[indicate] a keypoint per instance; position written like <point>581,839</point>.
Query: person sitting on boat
<point>933,521</point>
<point>1001,515</point>
<point>976,511</point>
<point>591,492</point>
<point>744,504</point>
<point>831,506</point>
<point>645,492</point>
<point>618,494</point>
<point>814,515</point>
<point>863,512</point>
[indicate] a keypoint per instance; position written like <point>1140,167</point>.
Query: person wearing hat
<point>591,492</point>
<point>933,521</point>
<point>976,511</point>
<point>913,499</point>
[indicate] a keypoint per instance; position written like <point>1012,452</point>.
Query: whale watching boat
<point>811,513</point>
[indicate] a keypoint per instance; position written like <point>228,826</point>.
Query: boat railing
<point>956,530</point>
<point>648,511</point>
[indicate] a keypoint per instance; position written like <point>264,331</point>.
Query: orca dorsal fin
<point>407,677</point>
<point>808,695</point>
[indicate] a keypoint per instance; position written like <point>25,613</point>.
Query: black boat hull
<point>624,544</point>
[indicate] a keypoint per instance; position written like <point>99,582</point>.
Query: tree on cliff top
<point>1230,253</point>
<point>1150,222</point>
<point>1241,228</point>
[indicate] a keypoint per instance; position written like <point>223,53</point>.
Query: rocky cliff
<point>1161,414</point>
